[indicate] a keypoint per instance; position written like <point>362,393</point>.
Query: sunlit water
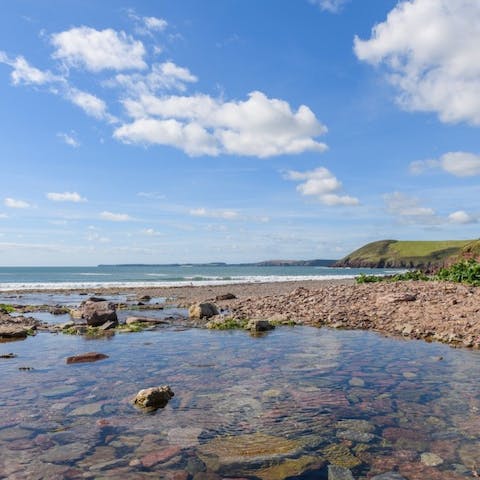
<point>286,404</point>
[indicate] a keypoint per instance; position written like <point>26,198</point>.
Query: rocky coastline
<point>432,311</point>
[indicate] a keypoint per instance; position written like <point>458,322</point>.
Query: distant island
<point>265,263</point>
<point>423,255</point>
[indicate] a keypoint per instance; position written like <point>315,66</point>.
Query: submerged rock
<point>86,357</point>
<point>388,476</point>
<point>289,468</point>
<point>154,397</point>
<point>237,452</point>
<point>339,473</point>
<point>203,310</point>
<point>133,320</point>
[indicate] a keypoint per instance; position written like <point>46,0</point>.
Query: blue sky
<point>240,130</point>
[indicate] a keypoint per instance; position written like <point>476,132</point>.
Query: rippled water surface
<point>284,405</point>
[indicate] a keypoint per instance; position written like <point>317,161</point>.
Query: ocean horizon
<point>123,276</point>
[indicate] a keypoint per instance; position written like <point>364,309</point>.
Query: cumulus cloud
<point>460,164</point>
<point>202,125</point>
<point>15,203</point>
<point>69,139</point>
<point>223,214</point>
<point>323,185</point>
<point>430,49</point>
<point>115,217</point>
<point>461,217</point>
<point>96,50</point>
<point>332,6</point>
<point>66,197</point>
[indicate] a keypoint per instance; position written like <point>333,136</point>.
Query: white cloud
<point>66,197</point>
<point>460,164</point>
<point>69,139</point>
<point>223,214</point>
<point>151,232</point>
<point>14,203</point>
<point>115,217</point>
<point>97,50</point>
<point>3,215</point>
<point>332,6</point>
<point>430,48</point>
<point>25,74</point>
<point>90,104</point>
<point>461,217</point>
<point>162,76</point>
<point>409,209</point>
<point>202,125</point>
<point>96,237</point>
<point>155,24</point>
<point>152,195</point>
<point>323,185</point>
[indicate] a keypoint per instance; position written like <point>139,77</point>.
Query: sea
<point>45,278</point>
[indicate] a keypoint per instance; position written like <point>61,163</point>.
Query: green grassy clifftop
<point>425,255</point>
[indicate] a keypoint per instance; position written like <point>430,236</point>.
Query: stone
<point>160,456</point>
<point>355,436</point>
<point>108,325</point>
<point>356,382</point>
<point>65,453</point>
<point>225,296</point>
<point>154,397</point>
<point>430,459</point>
<point>96,312</point>
<point>86,357</point>
<point>341,456</point>
<point>184,437</point>
<point>89,409</point>
<point>8,355</point>
<point>203,310</point>
<point>223,453</point>
<point>339,473</point>
<point>256,325</point>
<point>289,468</point>
<point>151,320</point>
<point>13,331</point>
<point>388,476</point>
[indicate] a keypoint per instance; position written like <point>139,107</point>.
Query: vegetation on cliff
<point>423,255</point>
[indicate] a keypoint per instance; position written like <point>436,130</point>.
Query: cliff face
<point>410,254</point>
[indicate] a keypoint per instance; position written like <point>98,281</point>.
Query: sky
<point>235,130</point>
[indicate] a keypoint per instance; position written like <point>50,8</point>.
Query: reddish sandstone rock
<point>86,357</point>
<point>160,456</point>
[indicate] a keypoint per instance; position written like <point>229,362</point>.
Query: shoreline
<point>432,311</point>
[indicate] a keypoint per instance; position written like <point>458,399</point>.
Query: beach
<point>432,311</point>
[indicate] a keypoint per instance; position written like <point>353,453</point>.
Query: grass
<point>407,254</point>
<point>4,308</point>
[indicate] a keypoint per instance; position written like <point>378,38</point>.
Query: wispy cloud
<point>69,139</point>
<point>66,197</point>
<point>115,217</point>
<point>332,6</point>
<point>15,203</point>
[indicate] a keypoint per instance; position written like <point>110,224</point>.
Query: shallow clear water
<point>282,405</point>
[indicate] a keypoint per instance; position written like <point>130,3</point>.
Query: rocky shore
<point>433,311</point>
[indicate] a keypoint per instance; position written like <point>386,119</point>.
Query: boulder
<point>86,357</point>
<point>97,312</point>
<point>12,331</point>
<point>203,310</point>
<point>154,397</point>
<point>256,325</point>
